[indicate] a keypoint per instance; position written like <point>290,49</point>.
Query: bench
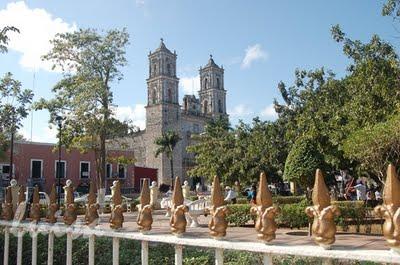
<point>196,208</point>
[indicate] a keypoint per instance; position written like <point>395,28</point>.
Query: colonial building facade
<point>37,164</point>
<point>164,112</point>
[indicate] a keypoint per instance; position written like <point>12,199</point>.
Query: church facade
<point>165,113</point>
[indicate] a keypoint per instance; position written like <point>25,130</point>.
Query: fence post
<point>91,249</point>
<point>34,247</point>
<point>267,259</point>
<point>115,250</point>
<point>50,248</point>
<point>69,248</point>
<point>219,256</point>
<point>6,245</point>
<point>178,255</point>
<point>19,246</point>
<point>145,253</point>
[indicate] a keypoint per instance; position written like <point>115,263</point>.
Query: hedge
<point>239,214</point>
<point>294,216</point>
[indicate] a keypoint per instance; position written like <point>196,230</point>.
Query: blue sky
<point>259,43</point>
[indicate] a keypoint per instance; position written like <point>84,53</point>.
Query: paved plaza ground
<point>284,237</point>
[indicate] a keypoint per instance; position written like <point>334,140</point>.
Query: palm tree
<point>166,144</point>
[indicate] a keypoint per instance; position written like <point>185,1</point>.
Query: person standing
<point>231,195</point>
<point>361,191</point>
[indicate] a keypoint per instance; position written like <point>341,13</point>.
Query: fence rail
<point>268,251</point>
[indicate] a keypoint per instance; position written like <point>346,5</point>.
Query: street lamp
<point>59,123</point>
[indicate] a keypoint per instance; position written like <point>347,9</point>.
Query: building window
<point>154,96</point>
<point>109,170</point>
<point>121,171</point>
<point>205,83</point>
<point>154,69</point>
<point>205,107</point>
<point>169,95</point>
<point>220,106</point>
<point>36,168</point>
<point>61,168</point>
<point>5,170</point>
<point>84,169</point>
<point>169,69</point>
<point>218,82</point>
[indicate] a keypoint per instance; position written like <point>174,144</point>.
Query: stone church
<point>164,112</point>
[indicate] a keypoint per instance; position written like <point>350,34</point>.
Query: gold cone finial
<point>117,198</point>
<point>36,195</point>
<point>391,192</point>
<point>177,196</point>
<point>145,193</point>
<point>92,194</point>
<point>21,194</point>
<point>217,199</point>
<point>320,194</point>
<point>53,194</point>
<point>264,197</point>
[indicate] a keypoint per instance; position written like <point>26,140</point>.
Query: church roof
<point>211,63</point>
<point>162,47</point>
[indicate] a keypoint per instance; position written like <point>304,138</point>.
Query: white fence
<point>268,251</point>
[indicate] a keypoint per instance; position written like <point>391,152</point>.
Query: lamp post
<point>59,122</point>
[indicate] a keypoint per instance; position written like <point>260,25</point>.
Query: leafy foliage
<point>90,62</point>
<point>213,151</point>
<point>4,39</point>
<point>375,146</point>
<point>166,145</point>
<point>302,161</point>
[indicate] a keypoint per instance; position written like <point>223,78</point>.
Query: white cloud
<point>43,134</point>
<point>253,53</point>
<point>140,3</point>
<point>269,112</point>
<point>190,85</point>
<point>240,111</point>
<point>137,115</point>
<point>37,27</point>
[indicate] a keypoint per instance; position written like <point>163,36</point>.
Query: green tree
<point>14,106</point>
<point>166,145</point>
<point>4,39</point>
<point>90,62</point>
<point>259,147</point>
<point>302,161</point>
<point>213,151</point>
<point>375,146</point>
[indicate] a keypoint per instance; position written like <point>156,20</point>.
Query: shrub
<point>287,199</point>
<point>302,160</point>
<point>293,215</point>
<point>239,214</point>
<point>193,198</point>
<point>354,212</point>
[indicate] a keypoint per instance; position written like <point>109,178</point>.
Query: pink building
<point>37,164</point>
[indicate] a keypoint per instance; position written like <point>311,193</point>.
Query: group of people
<point>357,190</point>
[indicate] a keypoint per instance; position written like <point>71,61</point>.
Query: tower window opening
<point>169,95</point>
<point>218,83</point>
<point>220,106</point>
<point>154,69</point>
<point>154,96</point>
<point>169,69</point>
<point>205,107</point>
<point>205,83</point>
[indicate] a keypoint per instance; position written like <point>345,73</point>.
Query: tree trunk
<point>102,160</point>
<point>11,153</point>
<point>172,172</point>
